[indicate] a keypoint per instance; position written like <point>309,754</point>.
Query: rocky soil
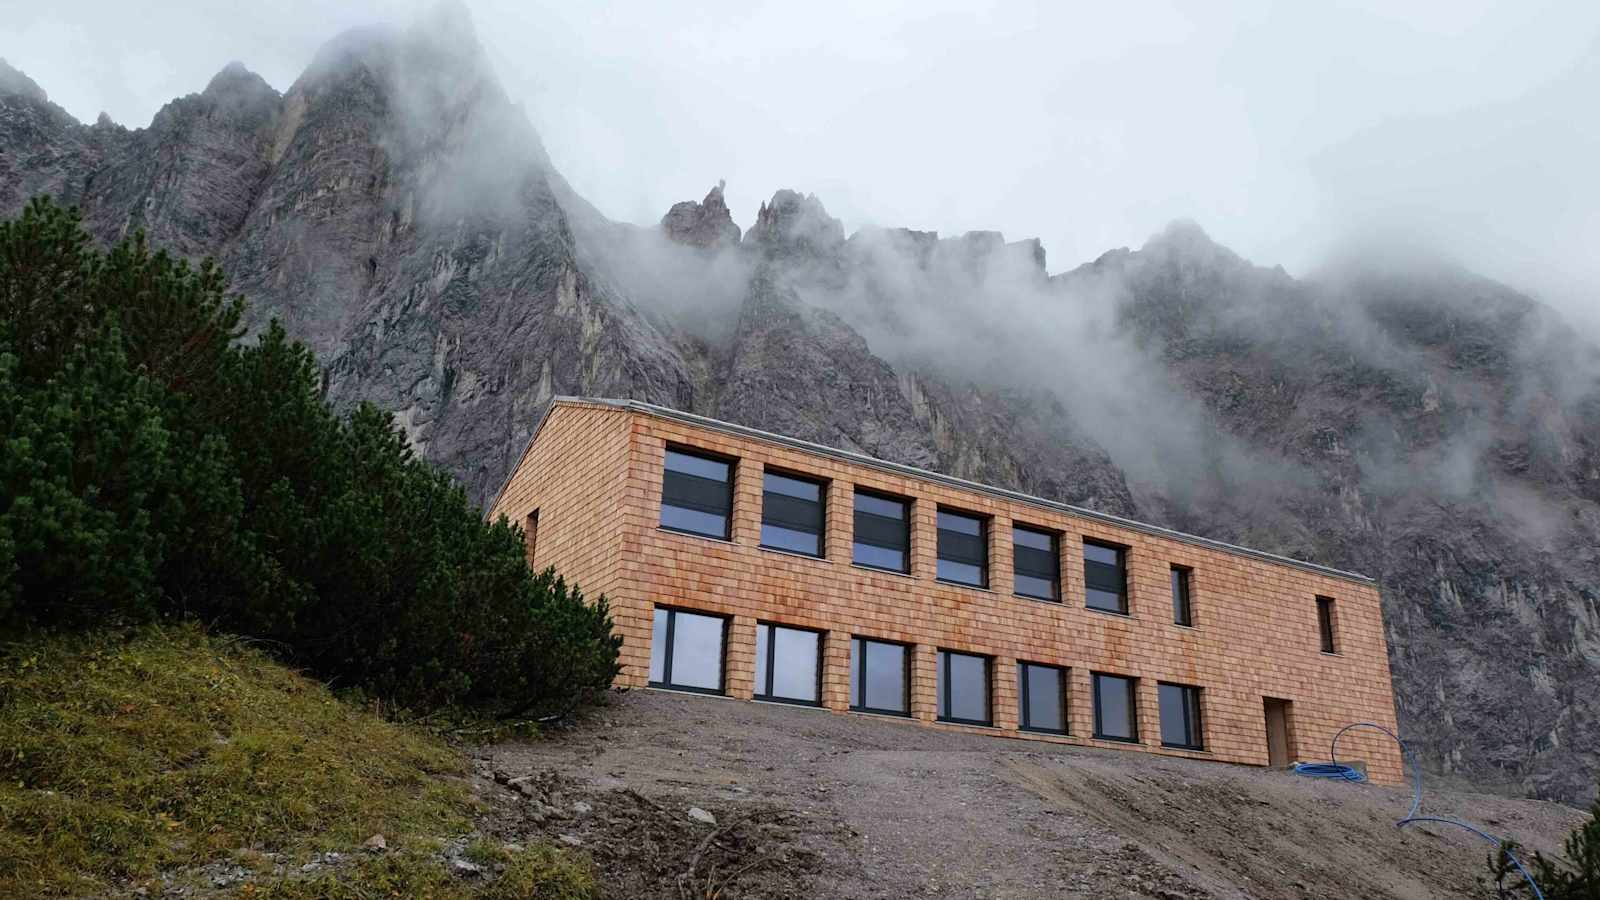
<point>394,209</point>
<point>678,795</point>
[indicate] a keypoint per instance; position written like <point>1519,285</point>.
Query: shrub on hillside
<point>1575,878</point>
<point>153,464</point>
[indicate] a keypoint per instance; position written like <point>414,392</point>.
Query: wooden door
<point>1277,732</point>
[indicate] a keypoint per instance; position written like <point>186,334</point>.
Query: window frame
<point>942,698</point>
<point>910,507</point>
<point>858,669</point>
<point>732,463</point>
<point>822,511</point>
<point>1062,678</point>
<point>1327,625</point>
<point>1133,707</point>
<point>984,527</point>
<point>667,651</point>
<point>1125,607</point>
<point>530,537</point>
<point>1055,554</point>
<point>772,653</point>
<point>1183,595</point>
<point>1193,715</point>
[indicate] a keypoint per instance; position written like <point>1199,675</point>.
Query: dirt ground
<point>809,803</point>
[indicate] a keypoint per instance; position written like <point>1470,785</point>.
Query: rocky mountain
<point>396,210</point>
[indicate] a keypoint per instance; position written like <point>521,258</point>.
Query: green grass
<point>122,755</point>
<point>538,873</point>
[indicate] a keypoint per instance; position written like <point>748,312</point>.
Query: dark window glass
<point>686,650</point>
<point>530,536</point>
<point>1182,612</point>
<point>963,687</point>
<point>963,549</point>
<point>788,664</point>
<point>1115,718</point>
<point>1104,577</point>
<point>879,677</point>
<point>1180,716</point>
<point>883,532</point>
<point>1042,697</point>
<point>1037,562</point>
<point>697,494</point>
<point>791,514</point>
<point>1325,623</point>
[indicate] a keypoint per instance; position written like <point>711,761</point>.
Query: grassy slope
<point>124,756</point>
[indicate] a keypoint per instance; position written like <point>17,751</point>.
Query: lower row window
<point>1042,698</point>
<point>963,688</point>
<point>880,677</point>
<point>1115,713</point>
<point>1180,716</point>
<point>686,650</point>
<point>788,664</point>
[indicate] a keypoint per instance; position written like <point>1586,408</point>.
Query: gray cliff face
<point>396,211</point>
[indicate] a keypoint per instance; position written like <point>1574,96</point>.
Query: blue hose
<point>1334,769</point>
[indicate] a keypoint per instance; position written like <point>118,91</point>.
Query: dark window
<point>1115,713</point>
<point>963,688</point>
<point>530,535</point>
<point>1182,610</point>
<point>963,549</point>
<point>686,651</point>
<point>1325,623</point>
<point>1037,562</point>
<point>1042,697</point>
<point>697,494</point>
<point>883,532</point>
<point>880,677</point>
<point>791,514</point>
<point>788,664</point>
<point>1105,577</point>
<point>1180,716</point>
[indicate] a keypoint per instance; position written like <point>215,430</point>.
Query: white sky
<point>1468,125</point>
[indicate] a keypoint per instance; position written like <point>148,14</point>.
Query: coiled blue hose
<point>1337,770</point>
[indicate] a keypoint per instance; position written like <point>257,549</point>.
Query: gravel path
<point>814,804</point>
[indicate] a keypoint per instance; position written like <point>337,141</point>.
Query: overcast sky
<point>1467,125</point>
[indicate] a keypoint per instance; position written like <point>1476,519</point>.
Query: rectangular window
<point>880,677</point>
<point>686,651</point>
<point>530,536</point>
<point>791,514</point>
<point>1037,562</point>
<point>1042,698</point>
<point>1105,577</point>
<point>1325,623</point>
<point>788,664</point>
<point>963,549</point>
<point>697,494</point>
<point>963,688</point>
<point>1115,713</point>
<point>1180,716</point>
<point>1182,611</point>
<point>883,532</point>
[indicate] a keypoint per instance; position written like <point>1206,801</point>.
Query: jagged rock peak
<point>708,223</point>
<point>441,43</point>
<point>1184,239</point>
<point>237,87</point>
<point>795,225</point>
<point>14,82</point>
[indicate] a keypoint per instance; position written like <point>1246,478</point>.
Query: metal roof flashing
<point>862,459</point>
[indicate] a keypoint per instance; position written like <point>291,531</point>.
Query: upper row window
<point>963,549</point>
<point>883,532</point>
<point>1105,577</point>
<point>791,514</point>
<point>697,494</point>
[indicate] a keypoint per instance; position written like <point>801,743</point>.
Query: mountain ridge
<point>400,214</point>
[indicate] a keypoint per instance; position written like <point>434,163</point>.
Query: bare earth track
<point>813,804</point>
